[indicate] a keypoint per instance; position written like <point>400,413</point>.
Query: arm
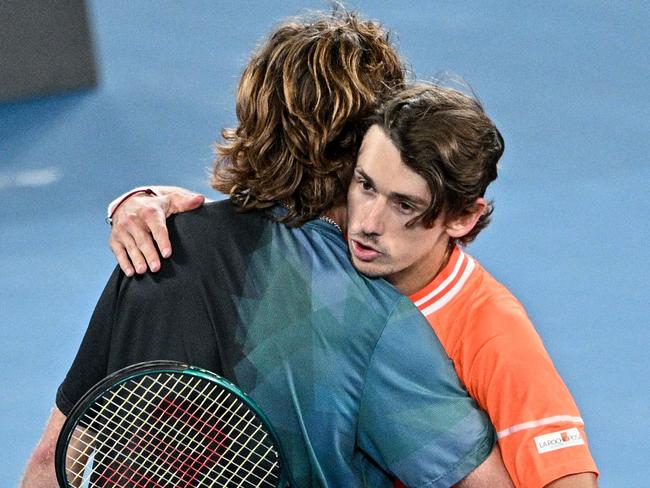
<point>139,229</point>
<point>88,367</point>
<point>39,472</point>
<point>491,474</point>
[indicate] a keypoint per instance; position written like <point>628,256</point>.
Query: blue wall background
<point>567,82</point>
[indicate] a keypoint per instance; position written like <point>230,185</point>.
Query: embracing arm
<point>139,229</point>
<point>490,474</point>
<point>39,472</point>
<point>89,366</point>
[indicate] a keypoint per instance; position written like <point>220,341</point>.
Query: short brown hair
<point>445,137</point>
<point>300,105</point>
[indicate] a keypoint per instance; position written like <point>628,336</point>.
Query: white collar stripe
<point>447,297</point>
<point>444,284</point>
<point>537,423</point>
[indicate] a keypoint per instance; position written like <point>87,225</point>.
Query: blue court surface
<point>567,82</point>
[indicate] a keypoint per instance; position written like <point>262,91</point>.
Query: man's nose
<point>373,221</point>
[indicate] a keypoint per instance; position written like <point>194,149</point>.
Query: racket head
<point>165,423</point>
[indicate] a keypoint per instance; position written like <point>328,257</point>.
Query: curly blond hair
<point>300,103</point>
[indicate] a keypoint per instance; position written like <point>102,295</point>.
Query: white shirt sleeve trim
<point>537,423</point>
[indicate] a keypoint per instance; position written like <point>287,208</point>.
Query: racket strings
<point>163,462</point>
<point>130,429</point>
<point>185,454</point>
<point>250,472</point>
<point>108,425</point>
<point>142,434</point>
<point>231,458</point>
<point>235,426</point>
<point>202,457</point>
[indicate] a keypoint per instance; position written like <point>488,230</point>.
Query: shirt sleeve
<point>507,369</point>
<point>91,362</point>
<point>415,418</point>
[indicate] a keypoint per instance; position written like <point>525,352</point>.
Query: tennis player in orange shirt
<point>415,200</point>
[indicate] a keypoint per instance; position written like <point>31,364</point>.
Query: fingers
<point>138,225</point>
<point>183,202</point>
<point>122,256</point>
<point>172,203</point>
<point>133,245</point>
<point>161,238</point>
<point>139,228</point>
<point>149,231</point>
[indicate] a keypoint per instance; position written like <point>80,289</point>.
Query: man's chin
<point>371,270</point>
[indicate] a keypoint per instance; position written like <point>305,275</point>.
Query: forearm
<point>174,190</point>
<point>39,472</point>
<point>151,190</point>
<point>490,474</point>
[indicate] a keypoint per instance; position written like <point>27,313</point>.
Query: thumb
<point>183,202</point>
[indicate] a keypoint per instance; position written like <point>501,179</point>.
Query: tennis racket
<point>165,424</point>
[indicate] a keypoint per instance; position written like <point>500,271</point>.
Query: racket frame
<point>148,368</point>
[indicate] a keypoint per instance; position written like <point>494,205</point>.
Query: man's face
<point>384,195</point>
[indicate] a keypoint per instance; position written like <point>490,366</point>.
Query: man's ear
<point>461,226</point>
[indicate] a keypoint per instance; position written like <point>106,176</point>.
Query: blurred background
<point>150,84</point>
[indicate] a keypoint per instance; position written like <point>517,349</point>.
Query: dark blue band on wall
<point>45,48</point>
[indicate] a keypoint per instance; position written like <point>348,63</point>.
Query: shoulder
<point>499,343</point>
<point>406,331</point>
<point>322,250</point>
<point>492,311</point>
<point>213,225</point>
<point>487,327</point>
<point>214,215</point>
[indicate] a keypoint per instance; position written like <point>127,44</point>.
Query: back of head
<point>444,136</point>
<point>300,103</point>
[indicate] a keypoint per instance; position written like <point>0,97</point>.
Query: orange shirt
<point>505,367</point>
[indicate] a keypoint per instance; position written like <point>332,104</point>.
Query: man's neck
<point>412,281</point>
<point>338,213</point>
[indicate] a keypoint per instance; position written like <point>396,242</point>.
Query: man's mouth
<point>362,251</point>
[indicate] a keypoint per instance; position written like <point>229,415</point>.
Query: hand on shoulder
<point>139,230</point>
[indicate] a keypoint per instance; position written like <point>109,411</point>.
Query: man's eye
<point>365,185</point>
<point>405,208</point>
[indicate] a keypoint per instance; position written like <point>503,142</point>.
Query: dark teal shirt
<point>348,371</point>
